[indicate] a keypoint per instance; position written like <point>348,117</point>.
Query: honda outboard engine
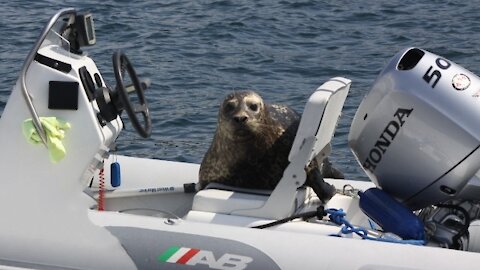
<point>417,134</point>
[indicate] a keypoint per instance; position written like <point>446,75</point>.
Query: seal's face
<point>241,115</point>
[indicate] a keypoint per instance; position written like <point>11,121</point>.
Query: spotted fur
<point>251,144</point>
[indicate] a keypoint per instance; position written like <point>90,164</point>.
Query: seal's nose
<point>240,119</point>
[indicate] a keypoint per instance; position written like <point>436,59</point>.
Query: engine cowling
<point>417,134</point>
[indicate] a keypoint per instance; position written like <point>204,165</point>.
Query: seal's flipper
<point>324,190</point>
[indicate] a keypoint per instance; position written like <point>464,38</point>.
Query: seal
<point>251,144</point>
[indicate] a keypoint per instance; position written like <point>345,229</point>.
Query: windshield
<point>56,40</point>
<point>57,33</point>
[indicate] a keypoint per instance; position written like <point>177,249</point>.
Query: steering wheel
<point>120,64</point>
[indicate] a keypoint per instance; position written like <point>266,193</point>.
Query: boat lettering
<point>375,154</point>
<point>193,257</point>
<point>436,74</point>
<point>157,189</point>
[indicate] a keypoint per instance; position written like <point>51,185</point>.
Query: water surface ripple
<point>195,52</point>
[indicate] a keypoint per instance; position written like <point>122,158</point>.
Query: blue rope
<point>338,217</point>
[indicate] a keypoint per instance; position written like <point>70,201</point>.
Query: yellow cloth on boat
<point>55,131</point>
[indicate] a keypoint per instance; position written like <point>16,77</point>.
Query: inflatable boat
<point>66,202</point>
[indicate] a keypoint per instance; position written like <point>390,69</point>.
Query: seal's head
<point>242,115</point>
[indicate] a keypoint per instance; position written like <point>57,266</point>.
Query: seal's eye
<point>230,106</point>
<point>253,107</point>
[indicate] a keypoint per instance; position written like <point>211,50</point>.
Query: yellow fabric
<point>55,130</point>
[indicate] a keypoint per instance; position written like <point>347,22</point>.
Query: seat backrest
<point>320,117</point>
<point>315,131</point>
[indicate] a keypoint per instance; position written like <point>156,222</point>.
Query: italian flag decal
<point>180,255</point>
<point>193,257</point>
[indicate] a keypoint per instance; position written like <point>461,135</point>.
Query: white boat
<point>64,205</point>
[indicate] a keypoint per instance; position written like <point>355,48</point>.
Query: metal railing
<point>31,56</point>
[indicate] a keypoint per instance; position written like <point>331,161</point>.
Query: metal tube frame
<point>31,56</point>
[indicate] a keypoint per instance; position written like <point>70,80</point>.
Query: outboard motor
<point>417,135</point>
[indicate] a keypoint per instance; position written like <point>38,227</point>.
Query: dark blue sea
<point>195,52</point>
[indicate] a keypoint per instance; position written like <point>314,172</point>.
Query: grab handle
<point>26,95</point>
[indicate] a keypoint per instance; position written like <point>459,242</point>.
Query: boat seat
<point>214,196</point>
<point>316,129</point>
<point>220,198</point>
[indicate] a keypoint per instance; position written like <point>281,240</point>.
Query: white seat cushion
<point>226,202</point>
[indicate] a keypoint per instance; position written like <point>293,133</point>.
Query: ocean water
<point>196,52</point>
